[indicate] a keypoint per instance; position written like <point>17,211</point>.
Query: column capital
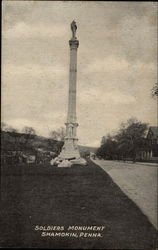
<point>74,43</point>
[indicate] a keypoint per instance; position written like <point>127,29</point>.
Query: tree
<point>108,148</point>
<point>29,135</point>
<point>131,138</point>
<point>58,134</point>
<point>103,140</point>
<point>3,126</point>
<point>7,128</point>
<point>155,90</point>
<point>129,141</point>
<point>29,130</point>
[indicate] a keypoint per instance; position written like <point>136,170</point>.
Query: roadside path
<point>138,181</point>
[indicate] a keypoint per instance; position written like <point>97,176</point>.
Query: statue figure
<point>73,28</point>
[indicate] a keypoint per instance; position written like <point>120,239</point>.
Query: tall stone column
<point>70,150</point>
<point>71,117</point>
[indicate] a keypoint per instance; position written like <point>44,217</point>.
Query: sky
<point>115,73</point>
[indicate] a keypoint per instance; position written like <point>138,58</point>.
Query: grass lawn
<point>81,196</point>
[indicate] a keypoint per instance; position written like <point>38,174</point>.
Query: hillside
<point>13,141</point>
<point>87,148</point>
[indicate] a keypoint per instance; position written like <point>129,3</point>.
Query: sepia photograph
<point>79,128</point>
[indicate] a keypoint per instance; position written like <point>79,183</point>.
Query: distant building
<point>152,137</point>
<point>151,151</point>
<point>92,155</point>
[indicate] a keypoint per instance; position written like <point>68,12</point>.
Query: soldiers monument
<point>70,152</point>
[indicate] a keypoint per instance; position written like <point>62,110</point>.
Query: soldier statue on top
<point>73,28</point>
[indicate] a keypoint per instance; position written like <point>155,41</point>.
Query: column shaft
<point>72,86</point>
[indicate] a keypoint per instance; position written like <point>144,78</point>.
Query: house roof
<point>154,131</point>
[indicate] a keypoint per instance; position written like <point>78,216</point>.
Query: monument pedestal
<point>70,150</point>
<point>69,155</point>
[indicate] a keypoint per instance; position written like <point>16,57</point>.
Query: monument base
<point>69,154</point>
<point>65,164</point>
<point>70,149</point>
<point>62,162</point>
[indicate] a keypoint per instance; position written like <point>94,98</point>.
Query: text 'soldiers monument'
<point>70,153</point>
